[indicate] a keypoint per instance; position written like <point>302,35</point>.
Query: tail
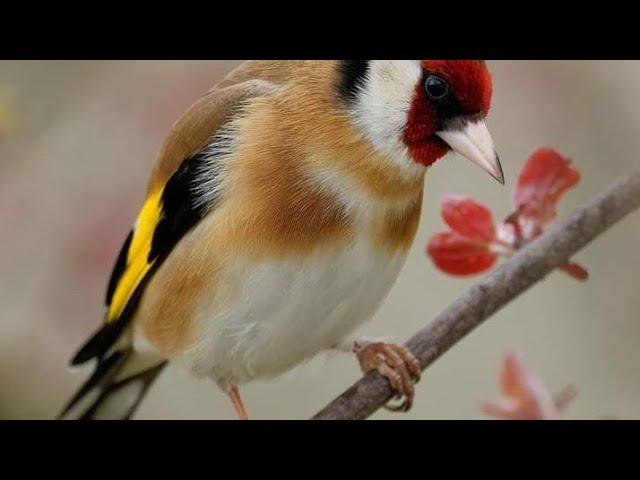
<point>115,389</point>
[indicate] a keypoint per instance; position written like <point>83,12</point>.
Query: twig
<point>527,267</point>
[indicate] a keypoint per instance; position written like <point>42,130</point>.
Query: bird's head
<point>415,111</point>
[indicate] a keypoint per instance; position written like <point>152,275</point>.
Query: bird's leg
<point>236,401</point>
<point>395,363</point>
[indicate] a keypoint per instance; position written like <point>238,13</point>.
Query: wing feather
<point>137,263</point>
<point>170,210</point>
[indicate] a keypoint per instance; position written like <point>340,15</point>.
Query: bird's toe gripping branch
<point>396,364</point>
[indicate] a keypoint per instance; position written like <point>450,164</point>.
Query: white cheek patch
<point>382,107</point>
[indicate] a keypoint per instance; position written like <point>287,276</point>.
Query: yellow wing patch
<point>137,265</point>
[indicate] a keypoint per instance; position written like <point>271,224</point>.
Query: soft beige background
<point>76,143</point>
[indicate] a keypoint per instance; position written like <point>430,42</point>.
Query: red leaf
<point>468,218</point>
<point>458,255</point>
<point>545,177</point>
<point>524,395</point>
<point>576,271</point>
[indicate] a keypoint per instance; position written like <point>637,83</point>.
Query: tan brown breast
<point>271,208</point>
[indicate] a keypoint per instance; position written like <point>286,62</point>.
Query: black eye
<point>436,87</point>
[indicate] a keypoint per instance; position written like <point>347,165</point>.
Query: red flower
<point>475,242</point>
<point>524,395</point>
<point>465,251</point>
<point>458,255</point>
<point>545,177</point>
<point>468,218</point>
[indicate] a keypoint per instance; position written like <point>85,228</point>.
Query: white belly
<point>287,311</point>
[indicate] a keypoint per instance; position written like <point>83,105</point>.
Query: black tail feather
<point>106,369</point>
<point>105,385</point>
<point>145,378</point>
<point>99,343</point>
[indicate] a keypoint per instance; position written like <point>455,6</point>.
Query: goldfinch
<point>279,212</point>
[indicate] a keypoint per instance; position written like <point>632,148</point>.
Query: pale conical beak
<point>472,140</point>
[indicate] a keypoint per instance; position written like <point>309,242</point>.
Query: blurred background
<point>76,143</point>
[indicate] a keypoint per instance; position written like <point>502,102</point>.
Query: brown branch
<point>527,267</point>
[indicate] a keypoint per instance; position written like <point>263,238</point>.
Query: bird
<point>278,214</point>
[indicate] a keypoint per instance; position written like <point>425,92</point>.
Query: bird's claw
<point>396,364</point>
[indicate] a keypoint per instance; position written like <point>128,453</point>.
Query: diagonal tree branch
<point>527,267</point>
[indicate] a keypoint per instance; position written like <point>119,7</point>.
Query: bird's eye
<point>436,87</point>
